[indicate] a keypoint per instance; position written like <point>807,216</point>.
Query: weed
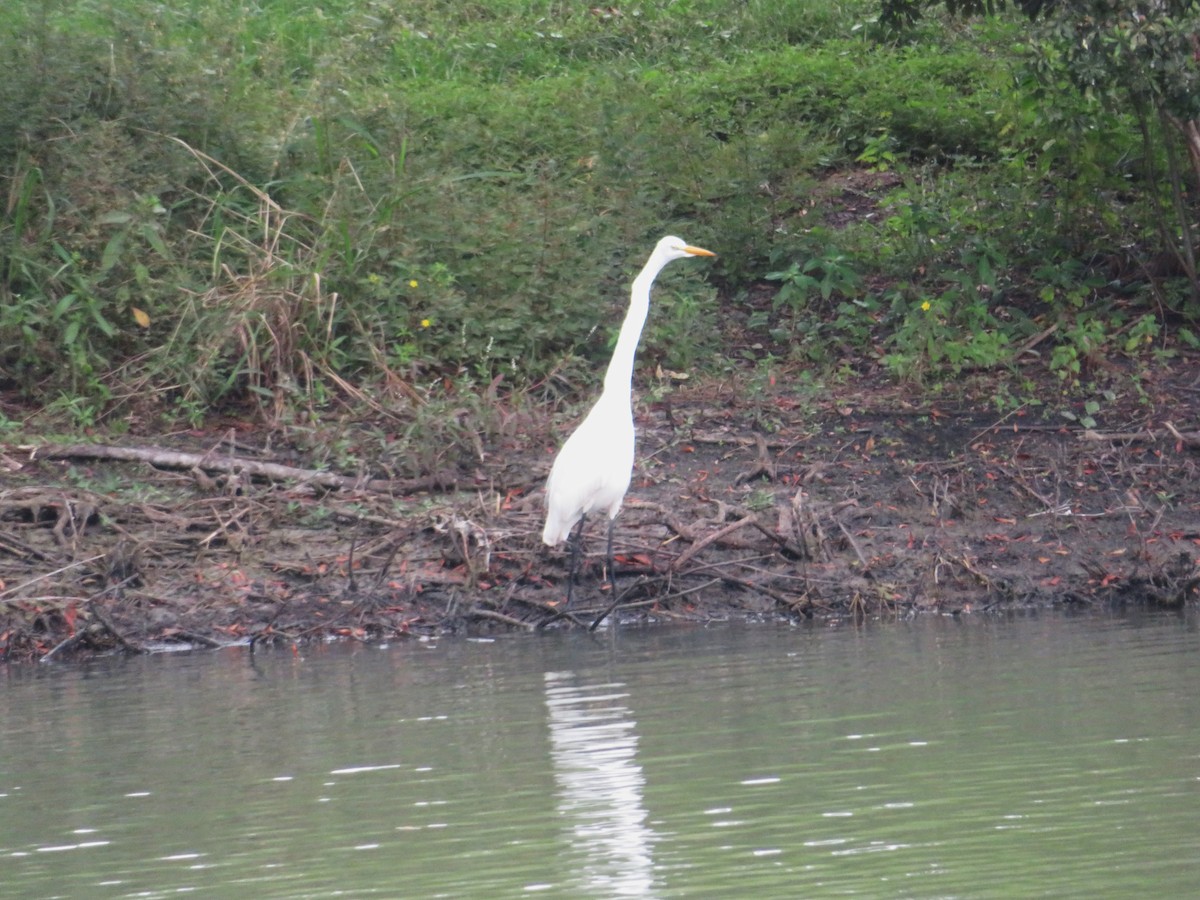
<point>879,153</point>
<point>810,291</point>
<point>823,276</point>
<point>214,204</point>
<point>760,500</point>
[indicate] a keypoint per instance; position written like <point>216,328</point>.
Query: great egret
<point>593,469</point>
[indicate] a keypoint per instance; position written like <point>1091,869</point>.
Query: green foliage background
<point>280,202</point>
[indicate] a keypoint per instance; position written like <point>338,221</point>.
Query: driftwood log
<point>227,463</point>
<point>1170,433</point>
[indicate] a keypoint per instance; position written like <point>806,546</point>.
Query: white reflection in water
<point>593,746</point>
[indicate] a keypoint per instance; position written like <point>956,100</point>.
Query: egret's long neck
<point>618,380</point>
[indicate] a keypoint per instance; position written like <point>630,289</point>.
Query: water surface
<point>1039,756</point>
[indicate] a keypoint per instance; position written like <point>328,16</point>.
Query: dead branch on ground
<point>209,462</point>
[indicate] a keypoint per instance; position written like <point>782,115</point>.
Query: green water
<point>1039,756</point>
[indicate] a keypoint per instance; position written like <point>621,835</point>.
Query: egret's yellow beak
<point>698,251</point>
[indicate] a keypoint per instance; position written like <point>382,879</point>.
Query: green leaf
<point>154,239</point>
<point>112,251</point>
<point>102,323</point>
<point>63,305</point>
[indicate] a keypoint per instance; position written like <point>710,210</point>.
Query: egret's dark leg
<point>612,566</point>
<point>576,545</point>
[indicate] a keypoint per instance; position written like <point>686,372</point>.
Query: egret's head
<point>677,248</point>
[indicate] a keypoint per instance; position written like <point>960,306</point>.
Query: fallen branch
<point>560,614</point>
<point>1114,436</point>
<point>12,592</point>
<point>63,645</point>
<point>1028,346</point>
<point>620,600</point>
<point>669,519</point>
<point>1189,439</point>
<point>173,459</point>
<point>854,546</point>
<point>783,543</point>
<point>501,617</point>
<point>20,549</point>
<point>764,466</point>
<point>193,638</point>
<point>1185,438</point>
<point>94,608</point>
<point>677,563</point>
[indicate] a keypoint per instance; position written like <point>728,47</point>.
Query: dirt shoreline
<point>871,502</point>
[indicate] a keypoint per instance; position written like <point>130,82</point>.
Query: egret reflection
<point>593,745</point>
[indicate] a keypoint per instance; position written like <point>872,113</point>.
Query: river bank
<point>865,502</point>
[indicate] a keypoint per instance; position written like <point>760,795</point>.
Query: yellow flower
<point>412,283</point>
<point>925,306</point>
<point>425,323</point>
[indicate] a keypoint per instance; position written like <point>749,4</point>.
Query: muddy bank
<point>760,504</point>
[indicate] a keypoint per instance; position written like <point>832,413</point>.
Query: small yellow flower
<point>925,306</point>
<point>412,283</point>
<point>425,323</point>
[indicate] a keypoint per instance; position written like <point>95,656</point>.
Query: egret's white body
<point>592,470</point>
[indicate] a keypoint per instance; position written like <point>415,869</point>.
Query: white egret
<point>592,470</point>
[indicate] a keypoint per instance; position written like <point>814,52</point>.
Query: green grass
<point>280,203</point>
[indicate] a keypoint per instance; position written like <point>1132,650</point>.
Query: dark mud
<point>746,503</point>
